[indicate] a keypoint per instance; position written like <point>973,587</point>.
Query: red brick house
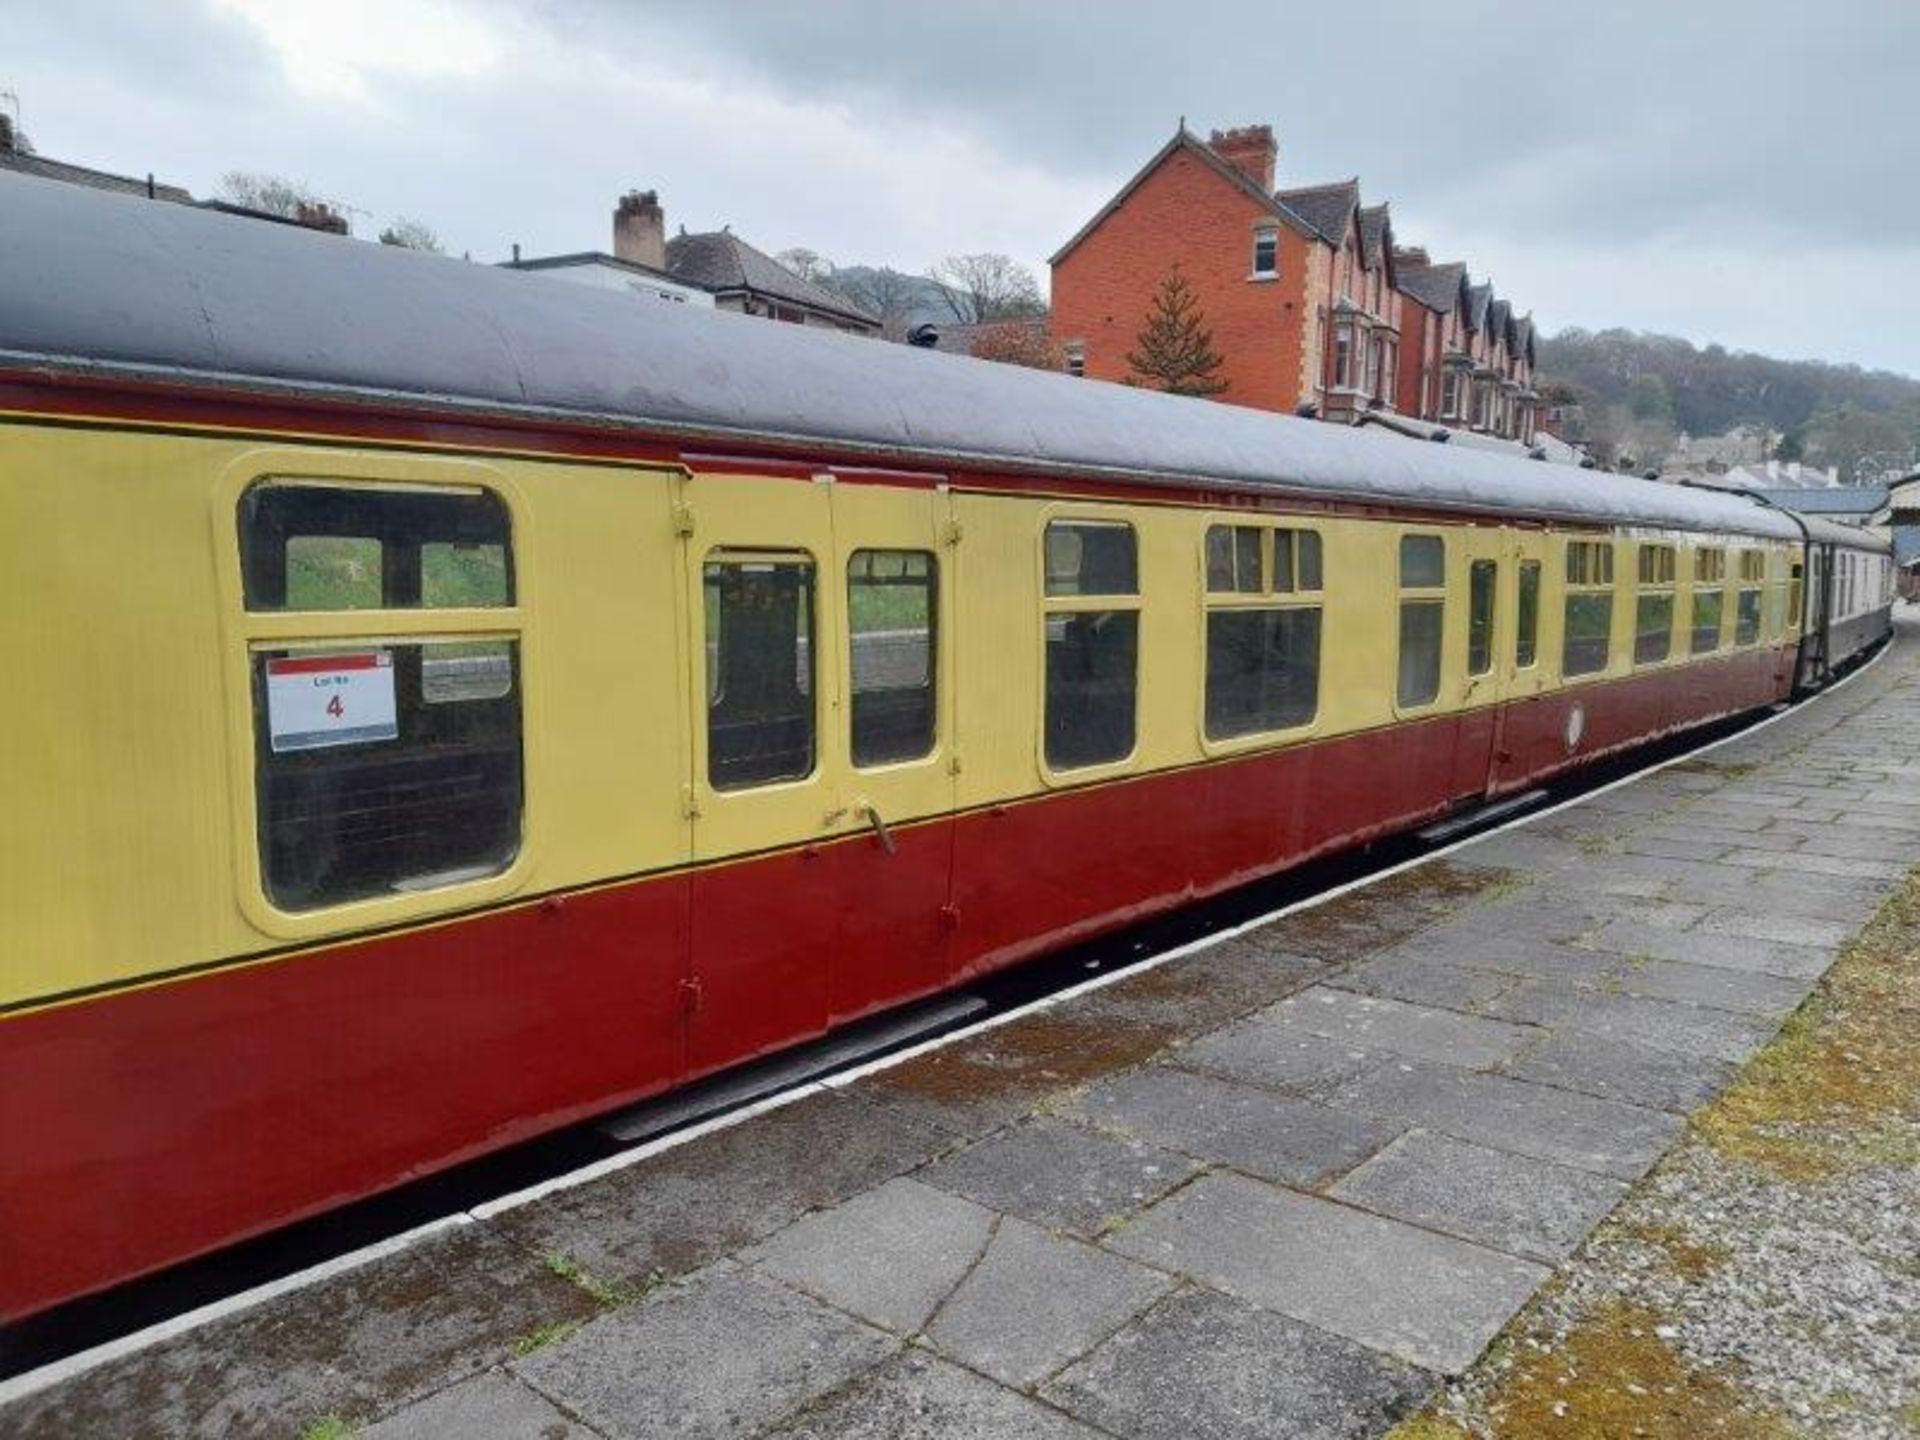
<point>1210,209</point>
<point>1297,286</point>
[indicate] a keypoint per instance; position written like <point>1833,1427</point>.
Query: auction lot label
<point>319,700</point>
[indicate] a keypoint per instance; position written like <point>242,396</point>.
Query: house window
<point>382,766</point>
<point>1588,641</point>
<point>1423,605</point>
<point>1450,393</point>
<point>1263,629</point>
<point>1371,380</point>
<point>1076,353</point>
<point>1343,361</point>
<point>1092,627</point>
<point>1266,252</point>
<point>1389,368</point>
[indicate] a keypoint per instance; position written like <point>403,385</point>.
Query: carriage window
<point>1526,640</point>
<point>760,657</point>
<point>1746,620</point>
<point>1263,657</point>
<point>1709,599</point>
<point>1653,608</point>
<point>1423,606</point>
<point>1092,630</point>
<point>1796,590</point>
<point>381,767</point>
<point>310,546</point>
<point>1588,642</point>
<point>1481,578</point>
<point>891,602</point>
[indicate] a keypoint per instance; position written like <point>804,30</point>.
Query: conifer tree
<point>1176,351</point>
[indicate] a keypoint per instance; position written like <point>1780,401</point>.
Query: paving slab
<point>355,1345</point>
<point>1815,931</point>
<point>1208,988</point>
<point>1377,1023</point>
<point>1224,1123</point>
<point>1295,1064</point>
<point>1036,1301</point>
<point>1605,1136</point>
<point>726,1353</point>
<point>1422,981</point>
<point>1206,1365</point>
<point>1621,1070</point>
<point>889,1256</point>
<point>1509,1202</point>
<point>688,1206</point>
<point>1701,947</point>
<point>1504,955</point>
<point>1663,1024</point>
<point>1425,1298</point>
<point>1060,1176</point>
<point>497,1405</point>
<point>1743,992</point>
<point>916,1396</point>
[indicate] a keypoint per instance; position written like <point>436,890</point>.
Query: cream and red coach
<point>443,703</point>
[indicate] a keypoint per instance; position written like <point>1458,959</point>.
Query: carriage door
<point>1517,649</point>
<point>892,743</point>
<point>759,561</point>
<point>1482,674</point>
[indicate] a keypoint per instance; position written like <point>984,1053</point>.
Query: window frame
<point>244,633</point>
<point>1404,595</point>
<point>1265,237</point>
<point>1267,598</point>
<point>724,554</point>
<point>1046,605</point>
<point>1663,581</point>
<point>937,696</point>
<point>1570,589</point>
<point>1707,558</point>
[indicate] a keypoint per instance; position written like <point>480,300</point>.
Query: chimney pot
<point>640,229</point>
<point>1250,149</point>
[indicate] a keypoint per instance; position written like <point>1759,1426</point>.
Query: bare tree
<point>896,297</point>
<point>274,194</point>
<point>807,264</point>
<point>412,235</point>
<point>988,286</point>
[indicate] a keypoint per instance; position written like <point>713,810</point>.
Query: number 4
<point>335,708</point>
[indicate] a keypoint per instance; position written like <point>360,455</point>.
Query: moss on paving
<point>1838,1088</point>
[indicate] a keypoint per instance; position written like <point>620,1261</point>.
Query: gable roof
<point>1375,230</point>
<point>1479,297</point>
<point>1500,322</point>
<point>1185,140</point>
<point>1440,288</point>
<point>1327,209</point>
<point>720,260</point>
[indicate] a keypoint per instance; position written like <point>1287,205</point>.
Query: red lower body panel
<point>144,1127</point>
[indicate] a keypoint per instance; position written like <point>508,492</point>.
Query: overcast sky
<point>1724,170</point>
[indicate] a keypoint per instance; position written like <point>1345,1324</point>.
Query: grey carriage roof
<point>116,284</point>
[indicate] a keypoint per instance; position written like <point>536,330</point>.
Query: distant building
<point>716,268</point>
<point>1774,475</point>
<point>18,156</point>
<point>1302,289</point>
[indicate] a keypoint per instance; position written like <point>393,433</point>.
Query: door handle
<point>872,812</point>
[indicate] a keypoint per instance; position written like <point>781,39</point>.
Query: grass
<point>608,1294</point>
<point>330,1427</point>
<point>1612,1377</point>
<point>342,572</point>
<point>546,1335</point>
<point>1839,1087</point>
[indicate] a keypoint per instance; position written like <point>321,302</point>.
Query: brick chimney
<point>1250,149</point>
<point>318,215</point>
<point>1410,255</point>
<point>640,229</point>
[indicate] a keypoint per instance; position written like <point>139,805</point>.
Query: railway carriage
<point>446,704</point>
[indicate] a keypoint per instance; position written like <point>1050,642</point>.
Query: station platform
<point>1280,1184</point>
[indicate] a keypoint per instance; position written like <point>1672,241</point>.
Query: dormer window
<point>1266,252</point>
